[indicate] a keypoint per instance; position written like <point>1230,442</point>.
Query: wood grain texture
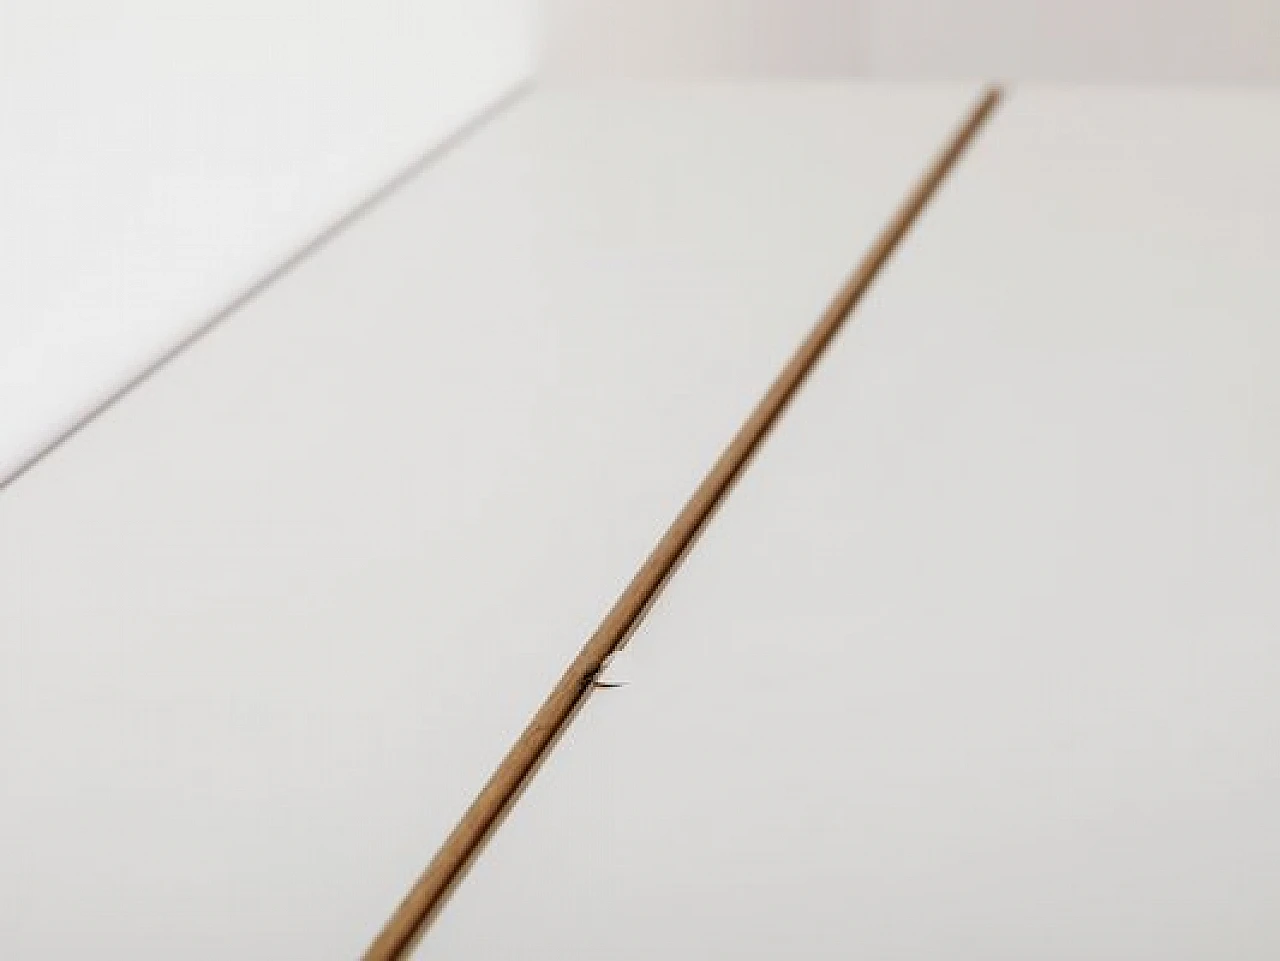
<point>460,848</point>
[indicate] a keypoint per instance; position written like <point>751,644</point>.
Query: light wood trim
<point>524,756</point>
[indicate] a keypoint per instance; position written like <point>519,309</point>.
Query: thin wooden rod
<point>524,756</point>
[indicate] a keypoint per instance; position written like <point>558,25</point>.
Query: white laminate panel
<point>980,658</point>
<point>158,159</point>
<point>268,624</point>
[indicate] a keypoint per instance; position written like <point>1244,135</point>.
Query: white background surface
<point>979,660</point>
<point>1093,41</point>
<point>158,158</point>
<point>268,623</point>
<point>1080,40</point>
<point>587,40</point>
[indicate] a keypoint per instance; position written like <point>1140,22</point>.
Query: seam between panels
<point>276,272</point>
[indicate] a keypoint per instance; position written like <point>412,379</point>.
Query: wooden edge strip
<point>421,903</point>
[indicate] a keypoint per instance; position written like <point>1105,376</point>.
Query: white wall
<point>1083,40</point>
<point>585,39</point>
<point>156,158</point>
<point>1089,40</point>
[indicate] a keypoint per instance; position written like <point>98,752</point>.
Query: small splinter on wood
<point>598,681</point>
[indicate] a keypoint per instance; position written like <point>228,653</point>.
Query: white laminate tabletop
<point>158,161</point>
<point>981,658</point>
<point>268,623</point>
